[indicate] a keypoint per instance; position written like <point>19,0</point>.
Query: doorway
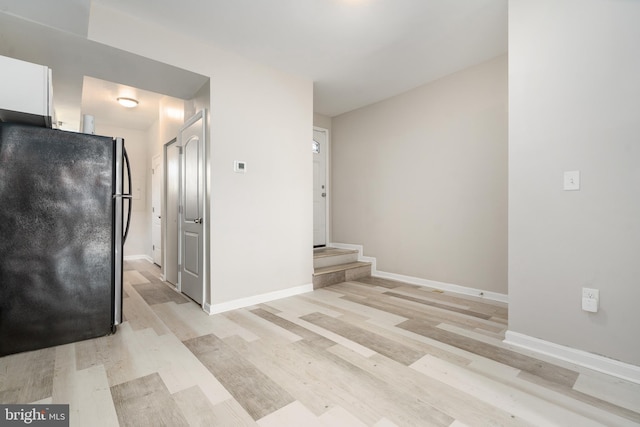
<point>185,225</point>
<point>191,138</point>
<point>320,149</point>
<point>171,210</point>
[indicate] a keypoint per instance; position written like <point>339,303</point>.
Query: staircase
<point>332,265</point>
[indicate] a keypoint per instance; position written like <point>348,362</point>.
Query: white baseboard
<point>495,296</point>
<point>257,299</point>
<point>598,363</point>
<point>137,257</point>
<point>207,308</point>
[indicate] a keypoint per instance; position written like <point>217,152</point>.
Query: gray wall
<point>574,96</point>
<point>322,121</point>
<point>421,179</point>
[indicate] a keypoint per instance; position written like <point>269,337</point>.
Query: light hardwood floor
<point>370,352</point>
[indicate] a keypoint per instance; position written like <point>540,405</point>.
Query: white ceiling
<point>356,52</point>
<point>99,99</point>
<point>73,58</point>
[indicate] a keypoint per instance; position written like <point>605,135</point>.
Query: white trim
<point>165,211</point>
<point>161,207</point>
<point>596,362</point>
<point>137,257</point>
<point>257,299</point>
<point>207,308</point>
<point>495,296</point>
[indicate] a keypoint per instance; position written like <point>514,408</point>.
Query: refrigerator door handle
<point>127,195</point>
<point>118,244</point>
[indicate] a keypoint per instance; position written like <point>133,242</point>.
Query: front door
<point>319,148</point>
<point>191,138</point>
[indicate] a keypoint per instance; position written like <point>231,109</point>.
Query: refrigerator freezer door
<point>119,235</point>
<point>56,250</point>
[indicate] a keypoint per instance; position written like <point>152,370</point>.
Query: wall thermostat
<point>239,166</point>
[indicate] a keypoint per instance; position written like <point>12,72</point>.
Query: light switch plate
<point>572,180</point>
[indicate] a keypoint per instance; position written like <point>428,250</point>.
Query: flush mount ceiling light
<point>127,102</point>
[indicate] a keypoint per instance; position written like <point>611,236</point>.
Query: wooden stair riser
<point>327,261</point>
<point>339,275</point>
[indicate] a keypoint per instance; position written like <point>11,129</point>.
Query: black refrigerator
<point>61,236</point>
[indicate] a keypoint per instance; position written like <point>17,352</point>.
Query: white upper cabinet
<point>26,94</point>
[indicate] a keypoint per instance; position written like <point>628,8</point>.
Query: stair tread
<point>327,252</point>
<point>340,267</point>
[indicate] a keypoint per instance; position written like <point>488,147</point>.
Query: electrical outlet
<point>590,299</point>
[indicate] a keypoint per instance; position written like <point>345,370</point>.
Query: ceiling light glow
<point>127,102</point>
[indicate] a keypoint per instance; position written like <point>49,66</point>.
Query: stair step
<point>328,251</point>
<point>325,257</point>
<point>333,274</point>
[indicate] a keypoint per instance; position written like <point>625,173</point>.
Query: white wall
<point>322,121</point>
<point>574,96</point>
<point>261,222</point>
<point>420,180</point>
<point>71,17</point>
<point>171,117</point>
<point>201,100</point>
<point>135,141</point>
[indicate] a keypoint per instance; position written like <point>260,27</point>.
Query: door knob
<point>197,221</point>
<point>324,194</point>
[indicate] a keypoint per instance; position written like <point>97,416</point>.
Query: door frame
<point>164,197</point>
<point>203,113</point>
<point>327,175</point>
<point>161,206</point>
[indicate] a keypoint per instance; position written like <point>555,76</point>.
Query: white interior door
<point>156,209</point>
<point>319,148</point>
<point>171,211</point>
<point>191,139</point>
